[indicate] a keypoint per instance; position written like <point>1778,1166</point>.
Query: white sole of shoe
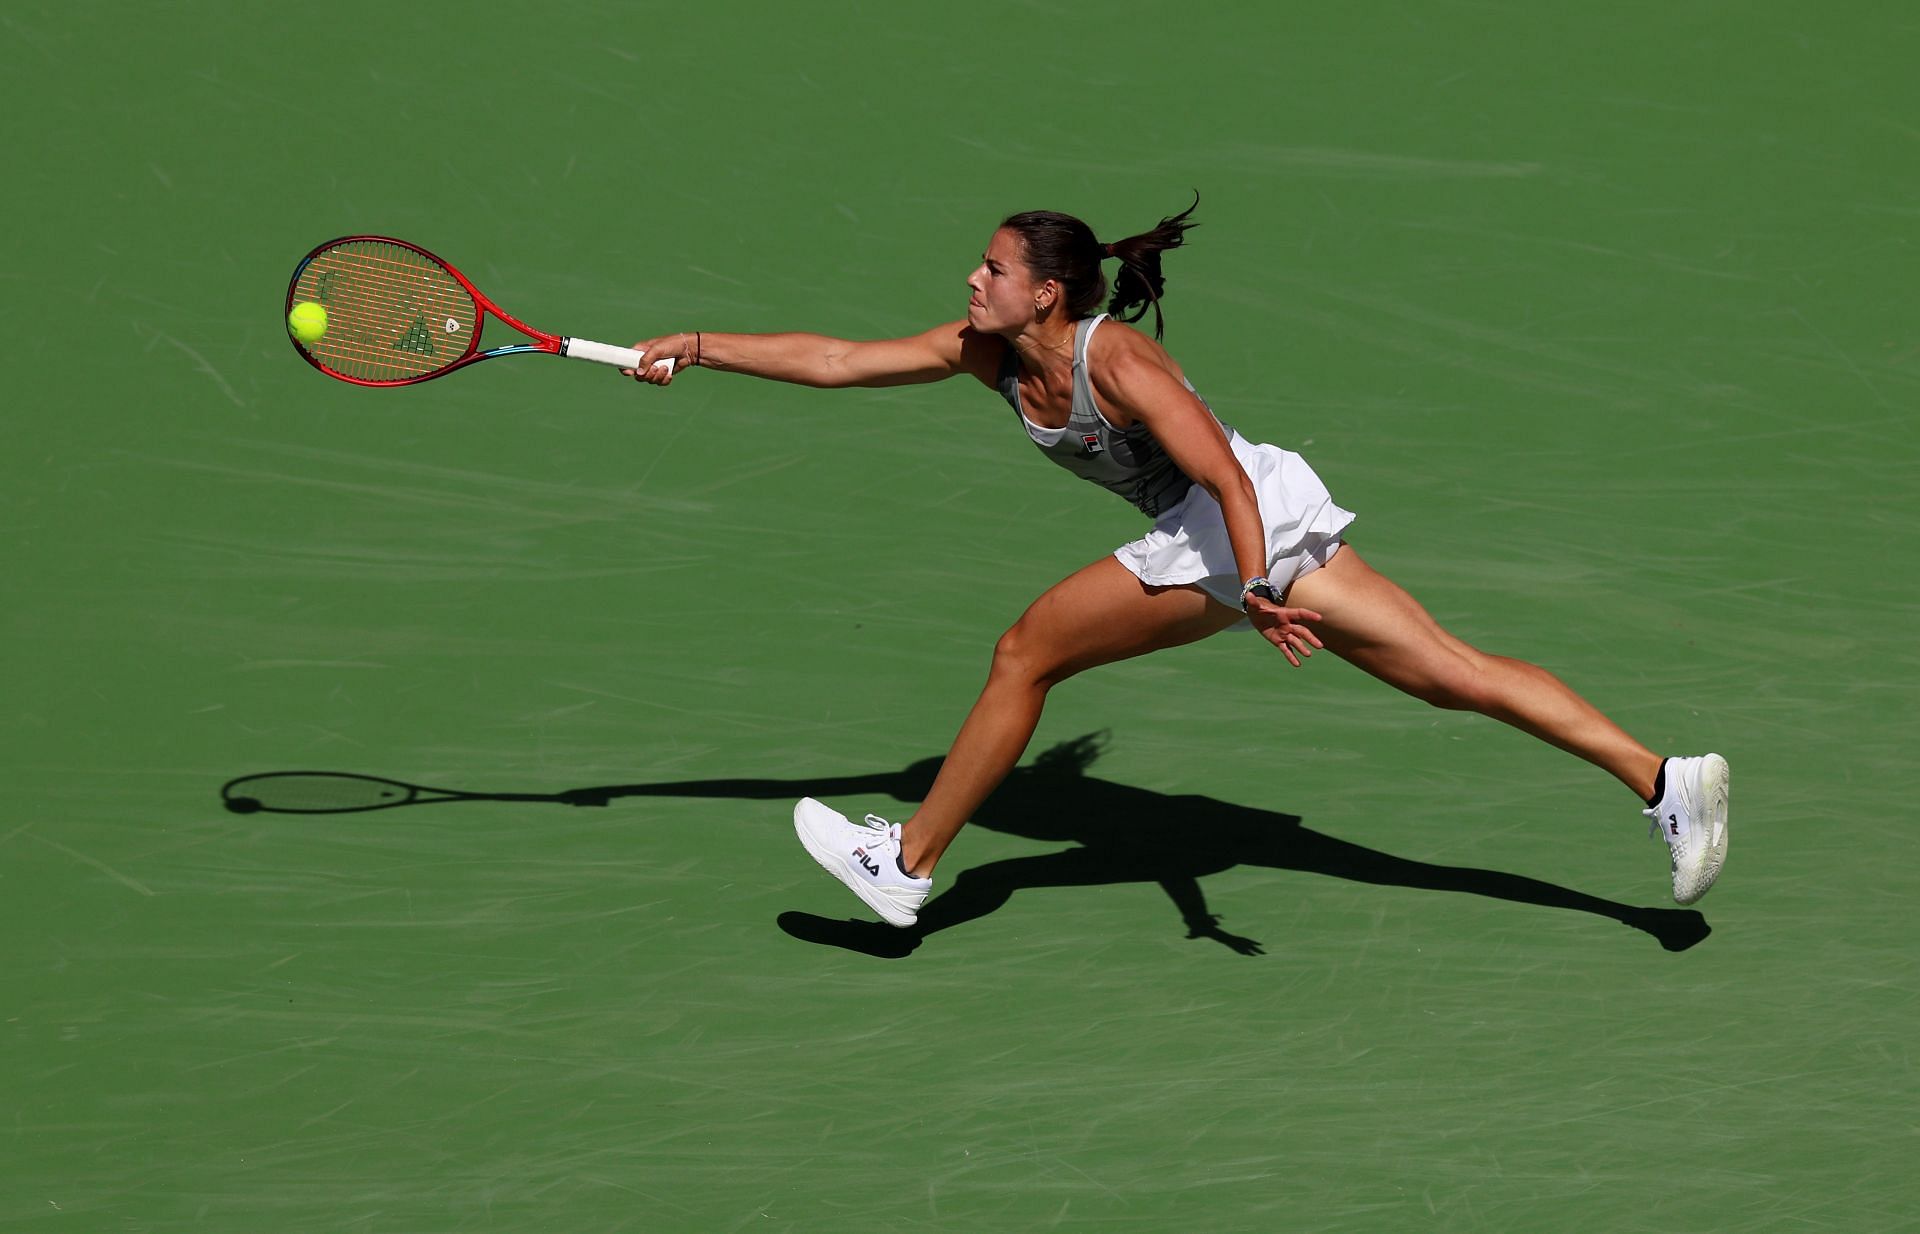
<point>1712,787</point>
<point>817,826</point>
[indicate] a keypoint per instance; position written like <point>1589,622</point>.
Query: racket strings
<point>392,313</point>
<point>316,793</point>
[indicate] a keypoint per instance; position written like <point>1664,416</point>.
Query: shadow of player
<point>1120,833</point>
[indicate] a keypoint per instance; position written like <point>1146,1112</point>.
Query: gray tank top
<point>1128,462</point>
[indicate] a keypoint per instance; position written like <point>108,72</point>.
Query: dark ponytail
<point>1140,282</point>
<point>1062,248</point>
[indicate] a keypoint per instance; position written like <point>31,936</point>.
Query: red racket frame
<point>551,344</point>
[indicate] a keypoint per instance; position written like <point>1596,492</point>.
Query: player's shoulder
<point>1115,331</point>
<point>1117,349</point>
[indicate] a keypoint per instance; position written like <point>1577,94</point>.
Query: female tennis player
<point>1243,535</point>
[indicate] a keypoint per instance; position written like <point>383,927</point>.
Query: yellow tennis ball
<point>308,321</point>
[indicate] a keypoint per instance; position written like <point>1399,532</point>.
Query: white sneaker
<point>866,859</point>
<point>1692,818</point>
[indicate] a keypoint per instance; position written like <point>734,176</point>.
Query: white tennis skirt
<point>1189,544</point>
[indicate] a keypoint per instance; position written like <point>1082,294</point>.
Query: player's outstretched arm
<point>816,359</point>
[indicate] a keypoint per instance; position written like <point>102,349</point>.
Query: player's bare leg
<point>1369,621</point>
<point>1096,616</point>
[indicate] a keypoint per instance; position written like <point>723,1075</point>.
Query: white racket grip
<point>606,353</point>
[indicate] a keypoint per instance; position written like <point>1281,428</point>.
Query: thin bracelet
<point>1248,588</point>
<point>696,349</point>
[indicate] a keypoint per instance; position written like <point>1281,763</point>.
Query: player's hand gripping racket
<point>396,315</point>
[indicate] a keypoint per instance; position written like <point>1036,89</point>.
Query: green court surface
<point>1601,317</point>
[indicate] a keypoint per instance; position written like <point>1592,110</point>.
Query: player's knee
<point>1013,653</point>
<point>1463,685</point>
<point>1023,656</point>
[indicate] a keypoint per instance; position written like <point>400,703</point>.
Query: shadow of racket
<point>339,792</point>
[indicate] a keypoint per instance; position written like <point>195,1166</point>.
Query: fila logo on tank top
<point>1128,462</point>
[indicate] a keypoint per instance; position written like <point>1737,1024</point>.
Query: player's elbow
<point>832,367</point>
<point>1229,486</point>
<point>843,365</point>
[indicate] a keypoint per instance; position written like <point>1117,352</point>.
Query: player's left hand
<point>1285,628</point>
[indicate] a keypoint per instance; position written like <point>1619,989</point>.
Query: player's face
<point>1002,286</point>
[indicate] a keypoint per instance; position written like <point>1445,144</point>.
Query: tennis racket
<point>397,315</point>
<point>337,792</point>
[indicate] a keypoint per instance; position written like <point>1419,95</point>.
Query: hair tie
<point>1107,249</point>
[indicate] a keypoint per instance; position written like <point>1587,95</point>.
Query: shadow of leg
<point>981,890</point>
<point>1308,850</point>
<point>873,938</point>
